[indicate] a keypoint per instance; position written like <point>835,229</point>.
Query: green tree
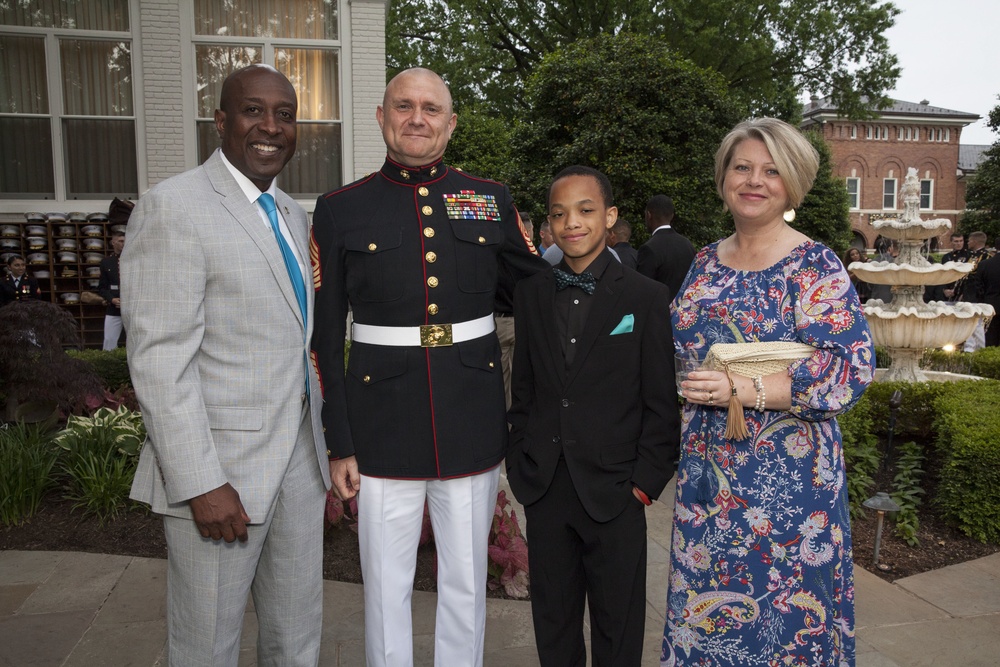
<point>824,215</point>
<point>768,51</point>
<point>982,199</point>
<point>629,106</point>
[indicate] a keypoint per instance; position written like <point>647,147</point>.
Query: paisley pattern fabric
<point>761,568</point>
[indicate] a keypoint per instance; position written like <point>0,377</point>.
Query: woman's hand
<point>711,388</point>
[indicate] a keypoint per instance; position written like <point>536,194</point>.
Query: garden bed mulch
<point>57,527</point>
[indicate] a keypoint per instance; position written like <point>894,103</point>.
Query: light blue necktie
<point>291,264</point>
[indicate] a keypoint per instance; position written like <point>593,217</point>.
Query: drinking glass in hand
<point>685,362</point>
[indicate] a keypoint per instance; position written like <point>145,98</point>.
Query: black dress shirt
<point>573,306</point>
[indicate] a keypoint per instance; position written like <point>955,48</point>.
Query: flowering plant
<point>508,552</point>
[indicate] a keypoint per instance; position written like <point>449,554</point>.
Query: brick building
<point>874,156</point>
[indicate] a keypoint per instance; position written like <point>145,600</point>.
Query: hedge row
<point>957,424</point>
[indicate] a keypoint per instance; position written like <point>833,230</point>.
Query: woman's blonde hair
<point>797,161</point>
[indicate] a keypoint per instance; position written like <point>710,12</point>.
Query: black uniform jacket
<point>405,247</point>
<point>27,289</point>
<point>613,414</point>
<point>110,284</point>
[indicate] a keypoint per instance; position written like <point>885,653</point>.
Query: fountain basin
<point>887,273</point>
<point>902,229</point>
<point>935,325</point>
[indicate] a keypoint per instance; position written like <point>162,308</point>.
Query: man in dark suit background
<point>666,256</point>
<point>618,240</point>
<point>595,430</point>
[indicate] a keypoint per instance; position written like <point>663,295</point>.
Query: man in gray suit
<point>218,326</point>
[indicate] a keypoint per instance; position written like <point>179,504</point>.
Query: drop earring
<point>789,215</point>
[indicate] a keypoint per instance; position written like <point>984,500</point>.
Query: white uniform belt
<point>428,335</point>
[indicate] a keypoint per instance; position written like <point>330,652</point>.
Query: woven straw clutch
<point>756,359</point>
<point>751,360</point>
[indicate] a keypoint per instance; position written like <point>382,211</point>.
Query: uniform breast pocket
<point>477,244</point>
<point>373,263</point>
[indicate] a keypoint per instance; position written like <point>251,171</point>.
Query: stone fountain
<point>907,325</point>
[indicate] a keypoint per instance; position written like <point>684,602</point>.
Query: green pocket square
<point>625,326</point>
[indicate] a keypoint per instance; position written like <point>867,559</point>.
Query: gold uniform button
<point>432,281</point>
<point>431,257</point>
<point>372,247</point>
<point>366,379</point>
<point>423,192</point>
<point>429,232</point>
<point>427,210</point>
<point>482,239</point>
<point>432,309</point>
<point>405,174</point>
<point>328,452</point>
<point>434,171</point>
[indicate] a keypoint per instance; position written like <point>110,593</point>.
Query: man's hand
<point>345,477</point>
<point>116,302</point>
<point>219,514</point>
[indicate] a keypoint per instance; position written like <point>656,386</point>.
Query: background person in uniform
<point>110,290</point>
<point>218,327</point>
<point>595,430</point>
<point>17,284</point>
<point>503,313</point>
<point>417,249</point>
<point>618,240</point>
<point>666,256</point>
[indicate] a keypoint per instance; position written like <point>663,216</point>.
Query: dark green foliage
<point>27,457</point>
<point>983,363</point>
<point>824,215</point>
<point>33,365</point>
<point>768,53</point>
<point>983,196</point>
<point>916,414</point>
<point>967,424</point>
<point>627,105</point>
<point>111,366</point>
<point>480,145</point>
<point>907,492</point>
<point>861,455</point>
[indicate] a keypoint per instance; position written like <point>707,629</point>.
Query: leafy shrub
<point>27,457</point>
<point>907,492</point>
<point>101,453</point>
<point>984,363</point>
<point>111,366</point>
<point>861,454</point>
<point>969,489</point>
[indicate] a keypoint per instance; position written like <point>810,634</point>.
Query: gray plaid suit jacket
<point>215,343</point>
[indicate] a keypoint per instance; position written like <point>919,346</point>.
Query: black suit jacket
<point>110,285</point>
<point>613,415</point>
<point>666,258</point>
<point>408,247</point>
<point>628,255</point>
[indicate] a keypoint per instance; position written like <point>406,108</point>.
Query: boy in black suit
<point>594,429</point>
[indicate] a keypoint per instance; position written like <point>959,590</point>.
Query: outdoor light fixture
<point>881,502</point>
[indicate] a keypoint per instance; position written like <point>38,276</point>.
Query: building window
<point>947,134</point>
<point>889,194</point>
<point>899,134</point>
<point>301,39</point>
<point>885,133</point>
<point>854,192</point>
<point>926,194</point>
<point>908,134</point>
<point>854,131</point>
<point>868,132</point>
<point>52,144</point>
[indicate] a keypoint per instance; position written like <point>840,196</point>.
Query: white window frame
<point>56,112</point>
<point>268,44</point>
<point>887,193</point>
<point>853,198</point>
<point>930,194</point>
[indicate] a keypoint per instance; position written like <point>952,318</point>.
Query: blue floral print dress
<point>761,569</point>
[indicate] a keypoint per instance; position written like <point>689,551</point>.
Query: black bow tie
<point>585,281</point>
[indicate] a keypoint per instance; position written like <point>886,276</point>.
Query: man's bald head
<point>416,117</point>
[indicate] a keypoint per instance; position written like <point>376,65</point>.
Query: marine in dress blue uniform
<point>415,250</point>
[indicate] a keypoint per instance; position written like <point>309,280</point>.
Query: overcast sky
<point>948,53</point>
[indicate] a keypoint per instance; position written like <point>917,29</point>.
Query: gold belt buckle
<point>435,335</point>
